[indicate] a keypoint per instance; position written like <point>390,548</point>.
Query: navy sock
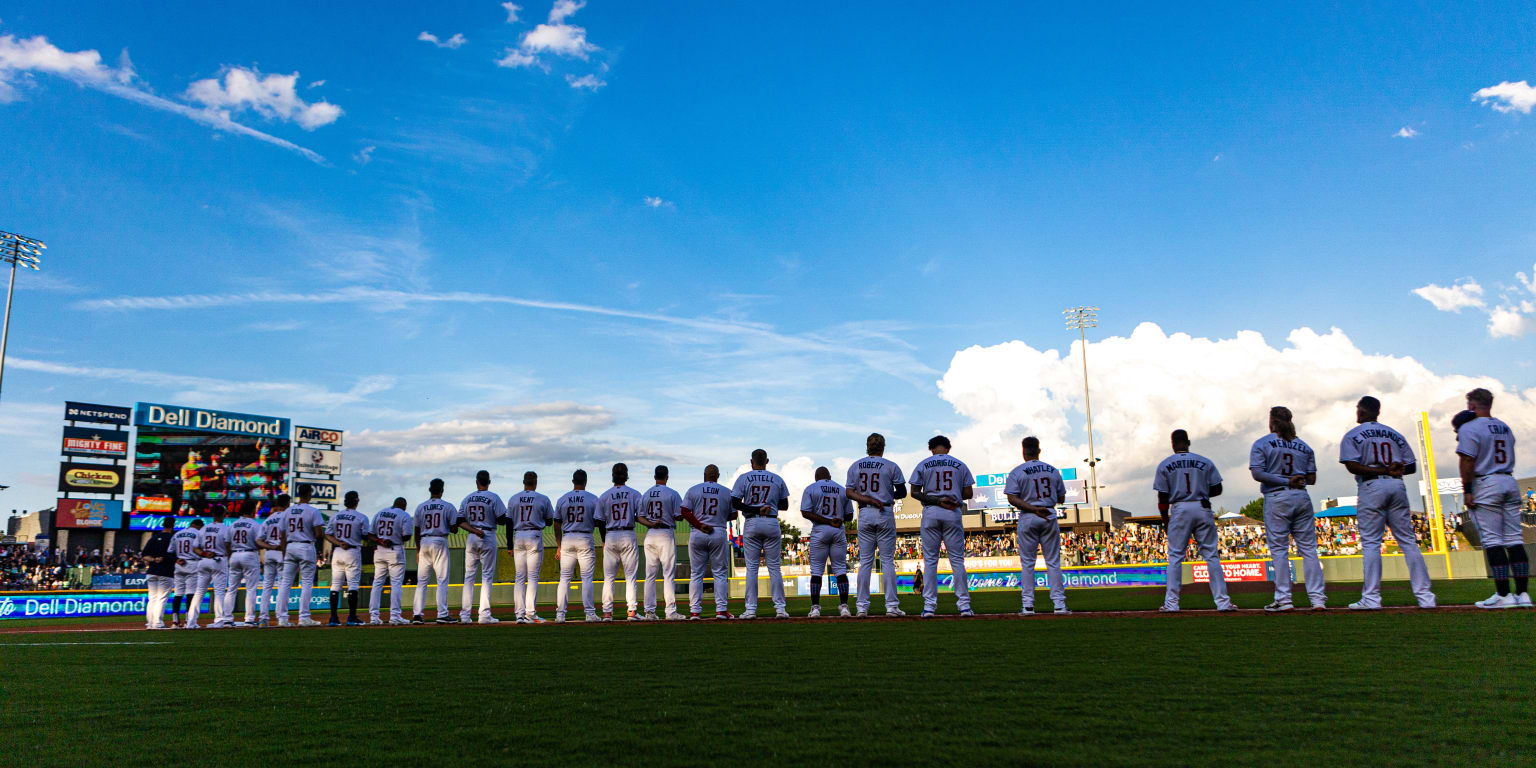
<point>842,589</point>
<point>815,590</point>
<point>1519,567</point>
<point>351,603</point>
<point>1498,568</point>
<point>334,602</point>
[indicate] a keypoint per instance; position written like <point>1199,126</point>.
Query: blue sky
<point>615,232</point>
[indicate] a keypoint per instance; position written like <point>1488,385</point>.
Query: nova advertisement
<point>193,461</point>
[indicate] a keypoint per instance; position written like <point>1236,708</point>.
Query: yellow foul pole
<point>1432,487</point>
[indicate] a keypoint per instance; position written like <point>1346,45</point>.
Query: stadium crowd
<point>24,568</point>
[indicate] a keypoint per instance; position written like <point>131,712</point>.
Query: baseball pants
<point>185,585</point>
<point>1288,515</point>
<point>661,555</point>
<point>244,569</point>
<point>160,588</point>
<point>214,572</point>
<point>1383,504</point>
<point>271,571</point>
<point>619,551</point>
<point>432,562</point>
<point>479,561</point>
<point>576,549</point>
<point>761,540</point>
<point>1495,510</point>
<point>528,558</point>
<point>828,546</point>
<point>1188,519</point>
<point>388,568</point>
<point>298,560</point>
<point>346,569</point>
<point>877,535</point>
<point>709,553</point>
<point>1037,533</point>
<point>950,530</point>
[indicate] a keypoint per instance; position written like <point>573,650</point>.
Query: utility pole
<point>1079,319</point>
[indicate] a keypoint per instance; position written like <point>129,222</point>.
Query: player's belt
<point>434,536</point>
<point>750,515</point>
<point>622,528</point>
<point>1491,474</point>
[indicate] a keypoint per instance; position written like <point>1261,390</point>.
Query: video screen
<point>201,473</point>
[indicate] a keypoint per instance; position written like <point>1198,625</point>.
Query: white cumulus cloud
<point>1508,97</point>
<point>1512,317</point>
<point>1405,132</point>
<point>511,9</point>
<point>555,37</point>
<point>453,42</point>
<point>272,96</point>
<point>1452,298</point>
<point>589,82</point>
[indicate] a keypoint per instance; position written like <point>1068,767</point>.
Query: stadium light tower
<point>15,250</point>
<point>1080,319</point>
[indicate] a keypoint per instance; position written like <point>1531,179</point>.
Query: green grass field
<point>1412,688</point>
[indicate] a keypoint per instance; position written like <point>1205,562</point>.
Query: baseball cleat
<point>447,620</point>
<point>895,613</point>
<point>523,620</point>
<point>334,622</point>
<point>1168,609</point>
<point>1229,608</point>
<point>353,621</point>
<point>1028,610</point>
<point>1062,610</point>
<point>927,614</point>
<point>559,617</point>
<point>242,624</point>
<point>592,617</point>
<point>533,618</point>
<point>1320,606</point>
<point>1497,602</point>
<point>401,621</point>
<point>283,624</point>
<point>815,612</point>
<point>693,615</point>
<point>724,616</point>
<point>675,616</point>
<point>967,613</point>
<point>842,610</point>
<point>417,619</point>
<point>1278,607</point>
<point>1363,607</point>
<point>374,621</point>
<point>489,620</point>
<point>749,614</point>
<point>633,616</point>
<point>649,616</point>
<point>607,616</point>
<point>308,623</point>
<point>1523,600</point>
<point>863,613</point>
<point>780,613</point>
<point>261,622</point>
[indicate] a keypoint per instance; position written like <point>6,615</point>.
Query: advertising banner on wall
<point>97,414</point>
<point>91,478</point>
<point>56,605</point>
<point>87,441</point>
<point>317,435</point>
<point>88,513</point>
<point>1103,576</point>
<point>325,491</point>
<point>182,418</point>
<point>316,461</point>
<point>1235,570</point>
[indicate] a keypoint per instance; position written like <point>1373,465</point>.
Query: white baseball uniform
<point>299,557</point>
<point>1288,513</point>
<point>349,526</point>
<point>435,519</point>
<point>1382,504</point>
<point>760,535</point>
<point>1495,497</point>
<point>271,565</point>
<point>616,510</point>
<point>878,477</point>
<point>1187,479</point>
<point>188,570</point>
<point>576,513</point>
<point>530,512</point>
<point>1038,484</point>
<point>392,527</point>
<point>829,543</point>
<point>660,504</point>
<point>484,510</point>
<point>244,566</point>
<point>214,569</point>
<point>710,503</point>
<point>943,475</point>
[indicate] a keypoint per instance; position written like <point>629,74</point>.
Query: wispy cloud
<point>556,37</point>
<point>656,202</point>
<point>1512,317</point>
<point>364,156</point>
<point>589,82</point>
<point>453,42</point>
<point>511,9</point>
<point>272,96</point>
<point>1405,132</point>
<point>224,391</point>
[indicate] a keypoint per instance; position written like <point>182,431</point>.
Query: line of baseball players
<point>282,547</point>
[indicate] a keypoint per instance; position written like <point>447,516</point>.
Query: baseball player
<point>484,510</point>
<point>1034,488</point>
<point>707,507</point>
<point>760,495</point>
<point>1284,467</point>
<point>942,484</point>
<point>1486,448</point>
<point>215,566</point>
<point>270,544</point>
<point>435,519</point>
<point>302,527</point>
<point>617,509</point>
<point>391,530</point>
<point>185,546</point>
<point>1378,456</point>
<point>346,531</point>
<point>827,507</point>
<point>875,483</point>
<point>244,563</point>
<point>531,512</point>
<point>1185,483</point>
<point>658,513</point>
<point>576,513</point>
<point>162,573</point>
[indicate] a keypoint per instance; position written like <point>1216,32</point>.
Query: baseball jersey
<point>576,511</point>
<point>436,517</point>
<point>243,533</point>
<point>1278,456</point>
<point>184,542</point>
<point>216,539</point>
<point>617,508</point>
<point>875,476</point>
<point>827,499</point>
<point>1375,445</point>
<point>1186,477</point>
<point>1036,483</point>
<point>482,509</point>
<point>761,488</point>
<point>272,528</point>
<point>299,523</point>
<point>392,526</point>
<point>531,511</point>
<point>709,502</point>
<point>660,504</point>
<point>943,475</point>
<point>1490,444</point>
<point>350,526</point>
